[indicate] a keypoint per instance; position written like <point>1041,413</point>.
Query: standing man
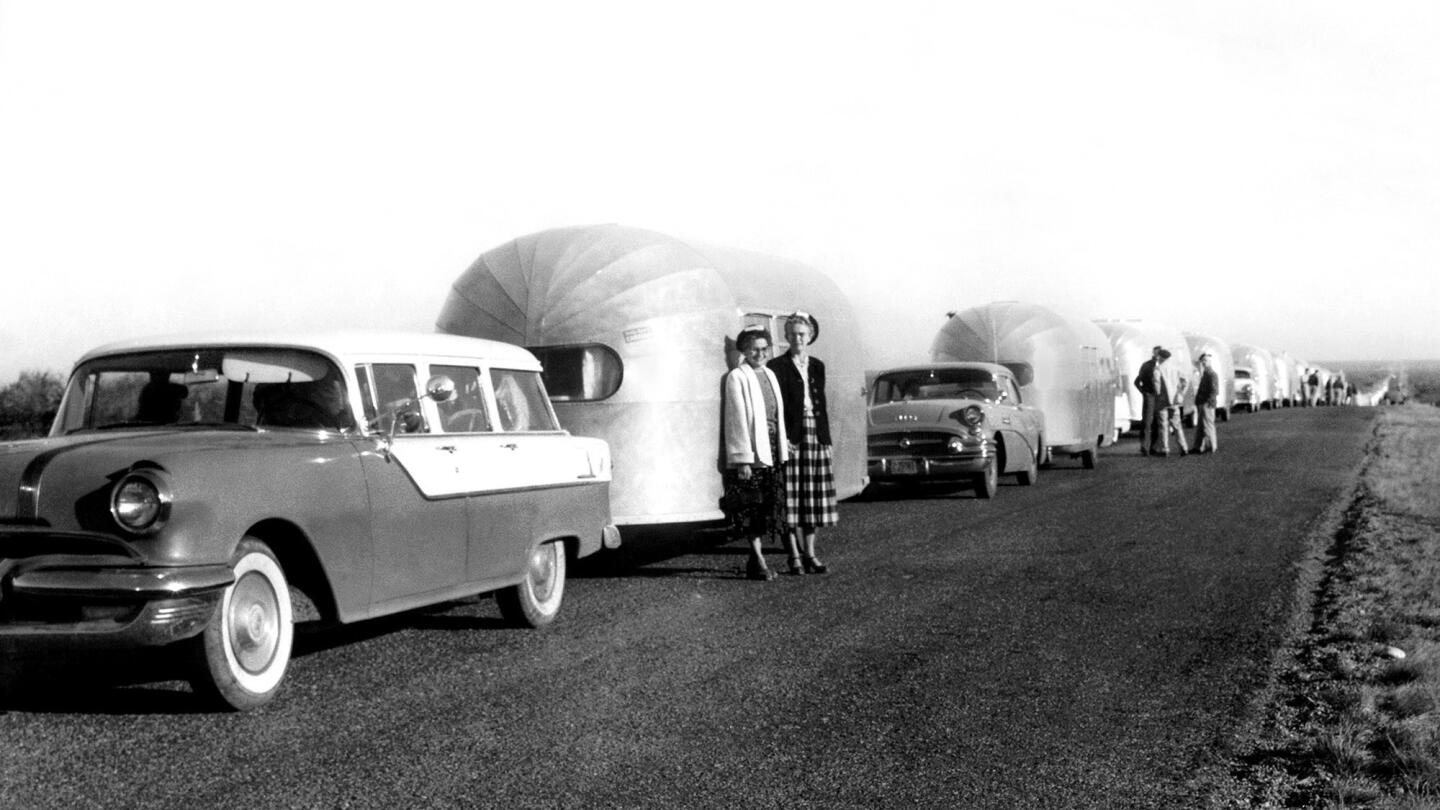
<point>1145,383</point>
<point>1169,393</point>
<point>1207,396</point>
<point>810,478</point>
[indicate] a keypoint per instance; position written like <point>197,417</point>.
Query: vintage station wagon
<point>192,488</point>
<point>957,421</point>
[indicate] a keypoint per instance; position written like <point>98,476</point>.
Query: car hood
<point>92,460</point>
<point>914,413</point>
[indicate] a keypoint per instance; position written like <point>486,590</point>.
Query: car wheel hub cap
<point>254,623</point>
<point>542,573</point>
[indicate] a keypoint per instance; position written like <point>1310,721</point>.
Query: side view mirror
<point>440,388</point>
<point>405,416</point>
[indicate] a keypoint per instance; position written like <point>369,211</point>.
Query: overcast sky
<point>1263,171</point>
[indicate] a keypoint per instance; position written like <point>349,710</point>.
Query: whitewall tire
<point>242,657</point>
<point>535,601</point>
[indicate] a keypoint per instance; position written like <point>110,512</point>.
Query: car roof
<point>343,345</point>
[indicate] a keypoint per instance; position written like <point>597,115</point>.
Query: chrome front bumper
<point>106,599</point>
<point>909,468</point>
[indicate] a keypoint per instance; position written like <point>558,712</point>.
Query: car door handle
<point>449,448</point>
<point>509,446</point>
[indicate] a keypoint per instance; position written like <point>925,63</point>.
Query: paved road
<point>1089,642</point>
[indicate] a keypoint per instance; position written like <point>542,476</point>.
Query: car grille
<point>910,444</point>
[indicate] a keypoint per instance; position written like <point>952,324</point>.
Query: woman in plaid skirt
<point>809,477</point>
<point>756,447</point>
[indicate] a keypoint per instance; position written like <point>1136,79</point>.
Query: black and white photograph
<point>467,404</point>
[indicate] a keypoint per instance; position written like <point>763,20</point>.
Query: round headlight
<point>140,502</point>
<point>971,415</point>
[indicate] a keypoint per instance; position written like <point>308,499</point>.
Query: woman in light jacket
<point>753,428</point>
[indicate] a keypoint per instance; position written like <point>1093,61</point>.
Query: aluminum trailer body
<point>1064,365</point>
<point>636,329</point>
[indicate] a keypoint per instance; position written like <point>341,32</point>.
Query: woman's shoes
<point>758,570</point>
<point>814,566</point>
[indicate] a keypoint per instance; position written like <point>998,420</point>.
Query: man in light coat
<point>1170,392</point>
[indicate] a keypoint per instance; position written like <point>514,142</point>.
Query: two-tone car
<point>962,422</point>
<point>1247,398</point>
<point>193,488</point>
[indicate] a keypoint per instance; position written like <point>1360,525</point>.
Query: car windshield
<point>240,387</point>
<point>935,383</point>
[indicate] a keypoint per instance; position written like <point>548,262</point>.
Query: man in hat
<point>1146,384</point>
<point>1207,396</point>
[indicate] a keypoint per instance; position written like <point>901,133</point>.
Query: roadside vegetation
<point>1354,721</point>
<point>27,405</point>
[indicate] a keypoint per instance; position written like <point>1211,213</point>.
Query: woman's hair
<point>806,318</point>
<point>749,334</point>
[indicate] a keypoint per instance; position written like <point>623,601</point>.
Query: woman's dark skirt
<point>756,507</point>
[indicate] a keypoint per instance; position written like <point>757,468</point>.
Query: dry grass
<point>1404,475</point>
<point>1367,733</point>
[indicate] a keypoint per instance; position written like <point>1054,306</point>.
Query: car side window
<point>1011,391</point>
<point>520,399</point>
<point>466,411</point>
<point>391,398</point>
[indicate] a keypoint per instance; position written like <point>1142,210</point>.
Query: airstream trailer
<point>1290,391</point>
<point>1133,342</point>
<point>635,330</point>
<point>1064,365</point>
<point>1279,380</point>
<point>1130,351</point>
<point>1254,385</point>
<point>1222,362</point>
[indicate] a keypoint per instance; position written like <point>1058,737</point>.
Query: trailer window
<point>579,373</point>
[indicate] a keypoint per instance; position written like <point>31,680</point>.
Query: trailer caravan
<point>1134,342</point>
<point>1293,387</point>
<point>1283,381</point>
<point>1064,365</point>
<point>1254,387</point>
<point>635,330</point>
<point>1223,362</point>
<point>1130,350</point>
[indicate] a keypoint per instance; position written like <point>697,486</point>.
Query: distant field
<point>1418,380</point>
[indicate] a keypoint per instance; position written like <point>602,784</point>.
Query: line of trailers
<point>635,330</point>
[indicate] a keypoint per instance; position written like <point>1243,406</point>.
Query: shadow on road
<point>644,546</point>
